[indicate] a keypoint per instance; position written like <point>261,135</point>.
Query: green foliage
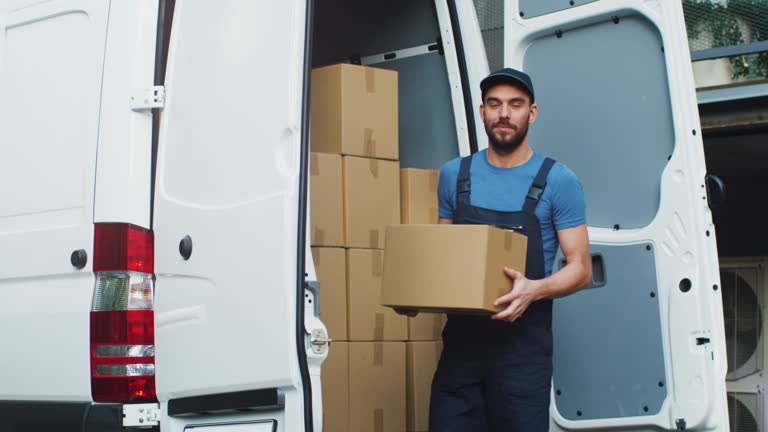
<point>725,21</point>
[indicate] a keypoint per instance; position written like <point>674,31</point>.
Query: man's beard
<point>510,143</point>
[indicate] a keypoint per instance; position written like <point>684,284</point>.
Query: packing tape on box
<point>370,80</point>
<point>373,238</point>
<point>433,215</point>
<point>378,335</point>
<point>436,321</point>
<point>319,235</point>
<point>378,420</point>
<point>369,143</point>
<point>438,350</point>
<point>314,165</point>
<point>377,262</point>
<point>437,331</point>
<point>373,165</point>
<point>508,241</point>
<point>434,178</point>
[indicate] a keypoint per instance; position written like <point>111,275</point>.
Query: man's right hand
<point>407,312</point>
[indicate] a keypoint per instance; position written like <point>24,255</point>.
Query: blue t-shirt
<point>504,189</point>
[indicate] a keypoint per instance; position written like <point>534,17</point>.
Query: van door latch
<point>141,415</point>
<point>148,98</point>
<point>319,341</point>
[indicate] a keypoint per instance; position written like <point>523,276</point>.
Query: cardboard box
<point>371,200</point>
<point>353,111</point>
<point>426,327</point>
<point>368,319</point>
<point>331,268</point>
<point>421,364</point>
<point>326,199</point>
<point>335,386</point>
<point>418,196</point>
<point>456,268</point>
<point>377,400</point>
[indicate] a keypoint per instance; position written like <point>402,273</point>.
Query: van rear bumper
<point>33,416</point>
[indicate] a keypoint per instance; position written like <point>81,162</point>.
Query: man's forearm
<point>571,278</point>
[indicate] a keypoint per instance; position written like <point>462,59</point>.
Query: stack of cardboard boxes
<point>418,205</point>
<point>380,365</point>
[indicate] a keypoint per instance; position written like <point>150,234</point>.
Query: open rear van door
<point>644,347</point>
<point>228,216</point>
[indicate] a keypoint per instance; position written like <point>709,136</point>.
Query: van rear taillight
<point>123,247</point>
<point>122,315</point>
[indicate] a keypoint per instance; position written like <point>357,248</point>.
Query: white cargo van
<point>155,263</point>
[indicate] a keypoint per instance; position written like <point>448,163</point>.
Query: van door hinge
<point>319,341</point>
<point>141,415</point>
<point>681,425</point>
<point>148,98</point>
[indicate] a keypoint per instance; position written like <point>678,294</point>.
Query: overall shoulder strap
<point>462,182</point>
<point>537,187</point>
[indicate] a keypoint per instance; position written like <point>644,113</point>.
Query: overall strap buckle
<point>537,188</point>
<point>535,192</point>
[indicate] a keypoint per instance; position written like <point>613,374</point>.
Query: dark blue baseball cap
<point>508,76</point>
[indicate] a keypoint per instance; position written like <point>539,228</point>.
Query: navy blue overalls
<point>495,375</point>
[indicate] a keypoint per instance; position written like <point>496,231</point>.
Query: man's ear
<point>482,112</point>
<point>533,113</point>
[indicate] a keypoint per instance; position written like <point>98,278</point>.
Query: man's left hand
<point>524,292</point>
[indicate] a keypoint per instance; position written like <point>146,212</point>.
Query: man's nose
<point>504,112</point>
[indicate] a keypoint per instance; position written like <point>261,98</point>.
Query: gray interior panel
<point>427,132</point>
<point>347,27</point>
<point>608,353</point>
<point>427,127</point>
<point>534,8</point>
<point>606,115</point>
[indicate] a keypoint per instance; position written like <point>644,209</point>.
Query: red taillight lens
<point>123,247</point>
<point>122,315</point>
<point>124,389</point>
<point>122,328</point>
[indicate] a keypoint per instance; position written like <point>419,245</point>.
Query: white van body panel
<point>51,63</point>
<point>228,176</point>
<point>124,166</point>
<point>696,372</point>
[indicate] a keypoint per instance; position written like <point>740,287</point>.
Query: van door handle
<point>598,270</point>
<point>715,191</point>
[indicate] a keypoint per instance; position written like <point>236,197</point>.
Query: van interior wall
<point>618,150</point>
<point>740,160</point>
<point>347,29</point>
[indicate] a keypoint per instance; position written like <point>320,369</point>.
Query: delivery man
<point>495,373</point>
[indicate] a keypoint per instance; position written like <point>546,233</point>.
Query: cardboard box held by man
<point>449,268</point>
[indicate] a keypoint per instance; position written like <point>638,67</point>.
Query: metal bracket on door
<point>141,415</point>
<point>319,341</point>
<point>147,99</point>
<point>318,336</point>
<point>436,47</point>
